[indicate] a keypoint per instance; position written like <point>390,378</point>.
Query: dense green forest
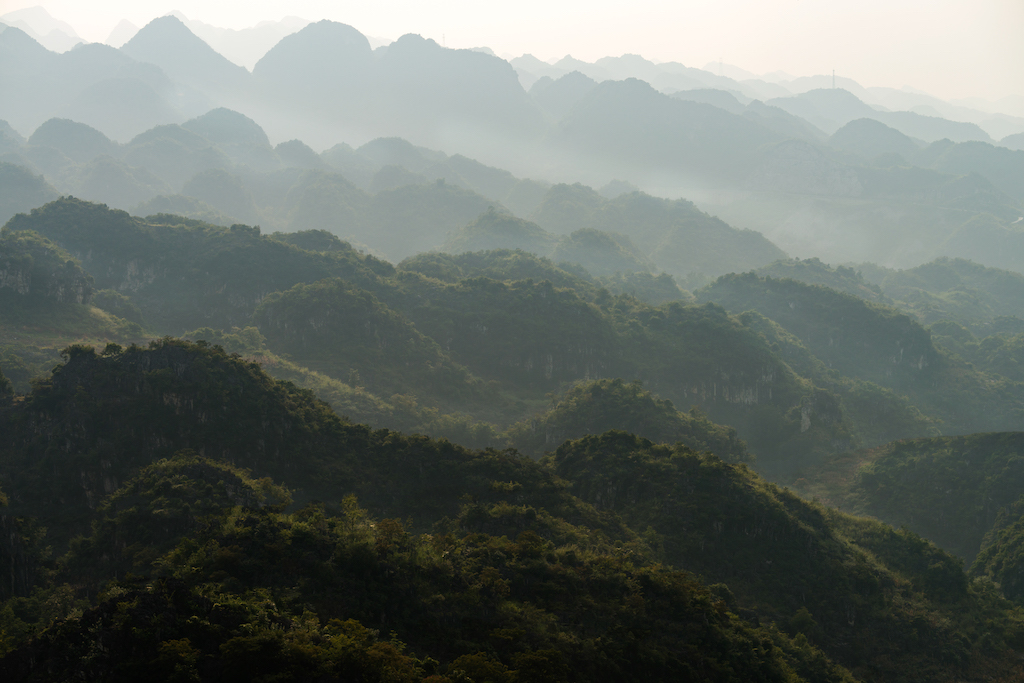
<point>517,468</point>
<point>482,564</point>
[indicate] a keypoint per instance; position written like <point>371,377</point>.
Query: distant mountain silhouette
<point>75,140</point>
<point>167,43</point>
<point>987,240</point>
<point>298,154</point>
<point>448,98</point>
<point>355,167</point>
<point>53,34</point>
<point>392,177</point>
<point>569,63</point>
<point>782,122</point>
<point>493,183</point>
<point>1004,168</point>
<point>795,166</point>
<point>174,154</point>
<point>415,218</point>
<point>121,108</point>
<point>122,33</point>
<point>628,125</point>
<point>929,128</point>
<point>530,70</point>
<point>323,63</point>
<point>38,84</point>
<point>10,139</point>
<point>21,191</point>
<point>1015,141</point>
<point>113,182</point>
<point>770,117</point>
<point>722,99</point>
<point>601,253</point>
<point>677,237</point>
<point>870,138</point>
<point>495,230</point>
<point>831,108</point>
<point>25,65</point>
<point>186,138</point>
<point>43,159</point>
<point>827,108</point>
<point>664,77</point>
<point>399,152</point>
<point>525,196</point>
<point>558,97</point>
<point>616,188</point>
<point>180,205</point>
<point>225,192</point>
<point>327,76</point>
<point>226,127</point>
<point>245,46</point>
<point>668,77</point>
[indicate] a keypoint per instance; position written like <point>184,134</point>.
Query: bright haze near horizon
<point>953,49</point>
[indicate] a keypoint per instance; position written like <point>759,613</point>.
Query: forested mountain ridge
<point>35,269</point>
<point>518,528</point>
<point>216,277</point>
<point>219,275</point>
<point>962,492</point>
<point>494,330</point>
<point>971,311</point>
<point>876,343</point>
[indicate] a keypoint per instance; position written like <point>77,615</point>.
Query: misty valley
<point>406,363</point>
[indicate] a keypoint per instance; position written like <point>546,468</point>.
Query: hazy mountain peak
<point>528,61</point>
<point>39,19</point>
<point>559,96</point>
<point>400,152</point>
<point>7,133</point>
<point>188,139</point>
<point>414,41</point>
<point>169,44</point>
<point>831,95</point>
<point>224,126</point>
<point>871,138</point>
<point>166,27</point>
<point>55,35</point>
<point>14,40</point>
<point>1015,141</point>
<point>317,46</point>
<point>628,59</point>
<point>574,78</point>
<point>122,33</point>
<point>246,46</point>
<point>76,140</point>
<point>570,63</point>
<point>298,154</point>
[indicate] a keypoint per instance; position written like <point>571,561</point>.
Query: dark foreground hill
<point>571,569</point>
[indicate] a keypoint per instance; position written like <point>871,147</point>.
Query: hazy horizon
<point>952,50</point>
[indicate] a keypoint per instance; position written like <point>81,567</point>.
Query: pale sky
<point>949,48</point>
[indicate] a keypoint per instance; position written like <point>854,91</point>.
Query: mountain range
<point>808,170</point>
